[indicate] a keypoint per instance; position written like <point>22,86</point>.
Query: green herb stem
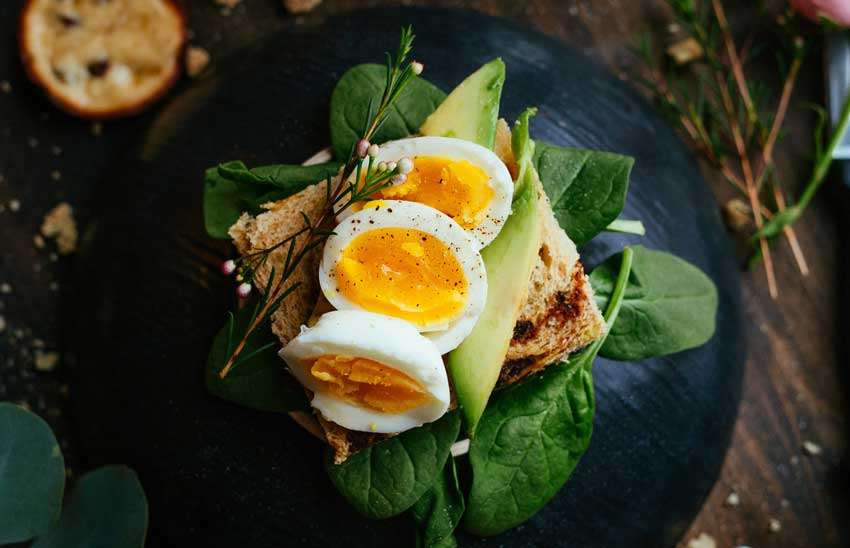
<point>613,308</point>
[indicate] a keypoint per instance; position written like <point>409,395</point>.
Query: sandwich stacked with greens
<point>411,278</point>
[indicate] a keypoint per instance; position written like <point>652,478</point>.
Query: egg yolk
<point>404,273</point>
<point>367,383</point>
<point>458,188</point>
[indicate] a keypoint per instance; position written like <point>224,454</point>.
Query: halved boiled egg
<point>409,261</point>
<point>369,372</point>
<point>466,181</point>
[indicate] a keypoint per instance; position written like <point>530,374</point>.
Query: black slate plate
<point>221,475</point>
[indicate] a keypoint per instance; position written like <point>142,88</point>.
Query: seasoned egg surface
<point>464,180</point>
<point>368,372</point>
<point>408,261</point>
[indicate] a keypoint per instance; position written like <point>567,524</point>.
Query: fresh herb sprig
<point>732,121</point>
<point>342,191</point>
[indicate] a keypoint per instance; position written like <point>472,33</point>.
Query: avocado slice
<point>471,110</point>
<point>474,366</point>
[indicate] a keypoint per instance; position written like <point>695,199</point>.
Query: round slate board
<point>217,474</point>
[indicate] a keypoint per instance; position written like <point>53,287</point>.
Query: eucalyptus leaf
<point>106,509</point>
<point>361,87</point>
<point>231,189</point>
<point>32,475</point>
<point>533,434</point>
<point>387,478</point>
<point>587,188</point>
<point>260,382</point>
<point>670,305</point>
<point>438,512</point>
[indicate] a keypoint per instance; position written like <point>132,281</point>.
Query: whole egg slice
<point>464,180</point>
<point>408,261</point>
<point>368,372</point>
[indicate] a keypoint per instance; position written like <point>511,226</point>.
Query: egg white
<point>500,180</point>
<point>400,214</point>
<point>389,341</point>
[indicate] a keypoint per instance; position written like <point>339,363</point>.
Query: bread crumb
<point>38,241</point>
<point>300,6</point>
<point>5,86</point>
<point>702,541</point>
<point>774,526</point>
<point>57,151</point>
<point>53,286</point>
<point>59,224</point>
<point>196,60</point>
<point>2,324</point>
<point>55,174</point>
<point>685,51</point>
<point>733,500</point>
<point>14,205</point>
<point>5,289</point>
<point>811,448</point>
<point>46,361</point>
<point>96,129</point>
<point>737,214</point>
<point>33,142</point>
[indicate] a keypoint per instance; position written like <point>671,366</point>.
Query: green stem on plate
<point>626,226</point>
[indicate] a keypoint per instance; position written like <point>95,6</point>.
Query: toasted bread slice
<point>102,59</point>
<point>281,219</point>
<point>558,317</point>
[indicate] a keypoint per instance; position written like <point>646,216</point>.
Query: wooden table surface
<point>796,375</point>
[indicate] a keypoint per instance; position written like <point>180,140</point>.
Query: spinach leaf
<point>669,306</point>
<point>32,475</point>
<point>359,89</point>
<point>261,381</point>
<point>533,434</point>
<point>587,188</point>
<point>107,508</point>
<point>439,510</point>
<point>231,189</point>
<point>389,477</point>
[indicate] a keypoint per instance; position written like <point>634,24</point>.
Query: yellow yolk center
<point>367,383</point>
<point>458,188</point>
<point>404,273</point>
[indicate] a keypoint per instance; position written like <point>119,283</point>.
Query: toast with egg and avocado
<point>554,313</point>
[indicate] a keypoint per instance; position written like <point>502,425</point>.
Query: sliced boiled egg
<point>409,261</point>
<point>368,372</point>
<point>464,180</point>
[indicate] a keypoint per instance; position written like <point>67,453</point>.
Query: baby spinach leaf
<point>439,510</point>
<point>261,381</point>
<point>387,478</point>
<point>670,305</point>
<point>107,508</point>
<point>32,475</point>
<point>587,188</point>
<point>533,434</point>
<point>359,89</point>
<point>528,442</point>
<point>231,189</point>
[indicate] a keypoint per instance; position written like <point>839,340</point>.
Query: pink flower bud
<point>398,179</point>
<point>243,290</point>
<point>228,267</point>
<point>837,11</point>
<point>362,148</point>
<point>405,165</point>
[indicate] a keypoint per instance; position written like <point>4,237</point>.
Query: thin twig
<point>735,62</point>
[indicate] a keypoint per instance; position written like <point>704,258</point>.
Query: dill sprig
<point>360,178</point>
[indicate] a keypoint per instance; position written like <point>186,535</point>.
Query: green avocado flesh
<point>471,110</point>
<point>474,366</point>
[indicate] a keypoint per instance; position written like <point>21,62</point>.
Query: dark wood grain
<point>796,378</point>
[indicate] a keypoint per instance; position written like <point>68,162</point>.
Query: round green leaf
<point>32,475</point>
<point>107,509</point>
